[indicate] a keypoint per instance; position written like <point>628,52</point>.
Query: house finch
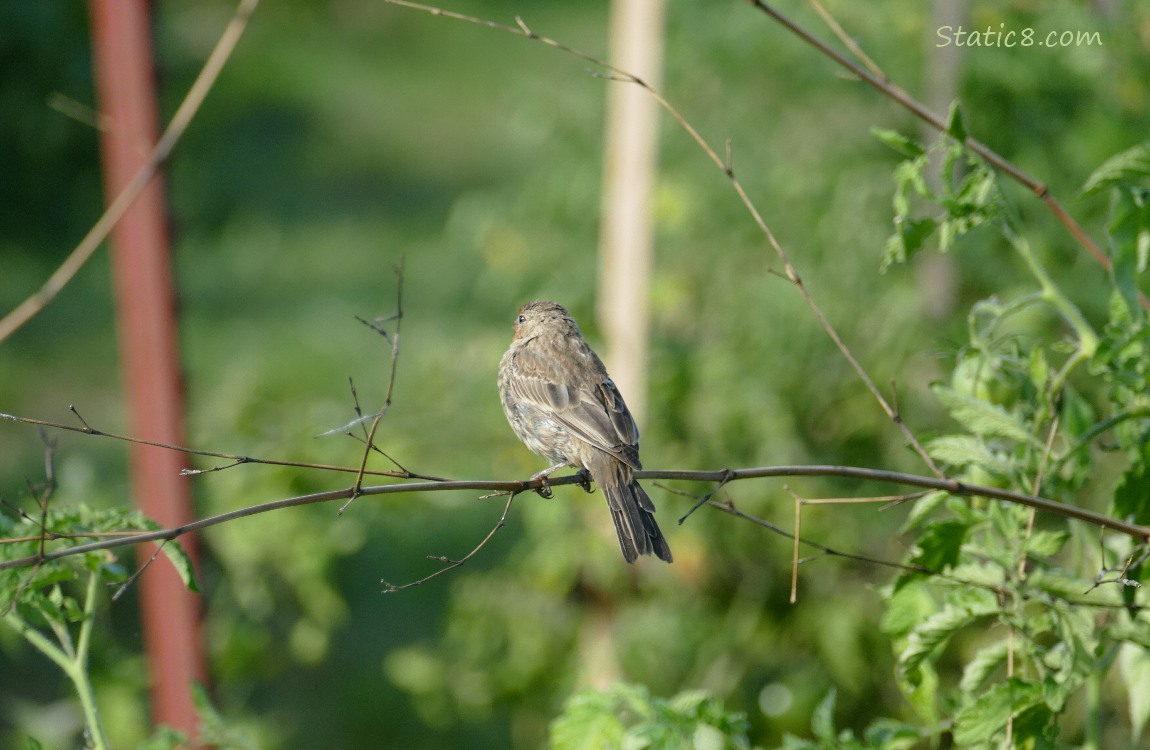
<point>563,406</point>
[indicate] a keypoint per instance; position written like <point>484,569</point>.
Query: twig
<point>833,24</point>
<point>391,588</point>
<point>136,574</point>
<point>369,439</point>
<point>236,459</point>
<point>705,498</point>
<point>27,309</point>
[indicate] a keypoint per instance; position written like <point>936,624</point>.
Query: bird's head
<point>542,316</point>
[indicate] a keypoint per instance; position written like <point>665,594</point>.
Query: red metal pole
<point>149,349</point>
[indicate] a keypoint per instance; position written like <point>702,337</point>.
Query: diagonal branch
<point>30,307</point>
<point>897,94</point>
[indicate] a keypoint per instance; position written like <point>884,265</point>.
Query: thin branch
<point>954,487</point>
<point>896,94</point>
<point>135,575</point>
<point>369,439</point>
<point>236,459</point>
<point>27,309</point>
<point>848,41</point>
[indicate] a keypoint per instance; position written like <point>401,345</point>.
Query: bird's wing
<point>592,411</point>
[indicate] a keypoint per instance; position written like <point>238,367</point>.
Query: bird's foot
<point>545,489</point>
<point>585,480</point>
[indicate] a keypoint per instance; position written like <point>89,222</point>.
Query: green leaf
<point>588,722</point>
<point>980,417</point>
<point>985,718</point>
<point>902,144</point>
<point>1036,728</point>
<point>888,734</point>
<point>960,450</point>
<point>164,738</point>
<point>172,550</point>
<point>982,574</point>
<point>908,605</point>
<point>1132,495</point>
<point>1134,666</point>
<point>908,239</point>
<point>939,547</point>
<point>931,634</point>
<point>1039,369</point>
<point>1129,233</point>
<point>955,126</point>
<point>1057,583</point>
<point>823,719</point>
<point>1123,168</point>
<point>982,665</point>
<point>1134,631</point>
<point>1046,543</point>
<point>923,508</point>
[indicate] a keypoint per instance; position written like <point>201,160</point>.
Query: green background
<point>345,137</point>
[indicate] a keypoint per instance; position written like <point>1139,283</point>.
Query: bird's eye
<point>521,319</point>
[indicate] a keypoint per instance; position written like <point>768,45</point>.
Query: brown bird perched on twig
<point>562,404</point>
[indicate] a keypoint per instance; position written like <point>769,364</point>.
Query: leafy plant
<point>53,605</point>
<point>627,716</point>
<point>1034,621</point>
<point>882,734</point>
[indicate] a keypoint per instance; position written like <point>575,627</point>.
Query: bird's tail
<point>634,517</point>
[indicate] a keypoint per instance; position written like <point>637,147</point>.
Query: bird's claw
<point>585,480</point>
<point>544,488</point>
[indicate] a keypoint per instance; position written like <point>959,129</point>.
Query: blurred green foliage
<point>343,137</point>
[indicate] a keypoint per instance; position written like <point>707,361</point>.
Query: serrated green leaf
<point>1046,543</point>
<point>955,126</point>
<point>1126,167</point>
<point>1005,520</point>
<point>986,716</point>
<point>922,509</point>
<point>908,239</point>
<point>960,450</point>
<point>908,605</point>
<point>982,665</point>
<point>1057,583</point>
<point>1036,728</point>
<point>980,417</point>
<point>587,723</point>
<point>932,633</point>
<point>980,574</point>
<point>902,144</point>
<point>939,547</point>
